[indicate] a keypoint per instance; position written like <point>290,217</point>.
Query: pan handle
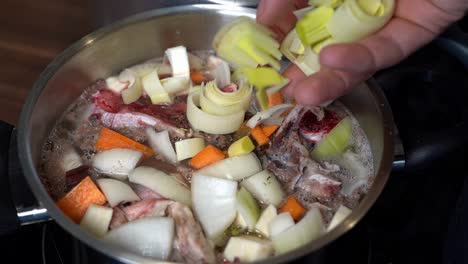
<point>424,151</point>
<point>17,204</point>
<point>9,221</point>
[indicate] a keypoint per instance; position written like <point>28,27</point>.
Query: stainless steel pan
<point>146,35</point>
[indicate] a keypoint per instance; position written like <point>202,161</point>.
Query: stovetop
<point>417,219</point>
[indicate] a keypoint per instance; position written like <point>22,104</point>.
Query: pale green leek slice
<point>286,44</point>
<point>336,141</point>
<point>261,79</point>
<point>313,27</point>
<point>244,43</point>
<point>370,6</point>
<point>351,22</point>
<point>216,102</point>
<point>308,62</point>
<point>329,3</point>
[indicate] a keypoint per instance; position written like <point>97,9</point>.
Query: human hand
<point>343,66</point>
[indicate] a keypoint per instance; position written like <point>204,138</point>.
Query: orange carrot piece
<point>197,77</point>
<point>109,139</point>
<point>275,99</point>
<point>75,203</point>
<point>207,156</point>
<point>293,207</point>
<point>259,136</point>
<point>269,130</point>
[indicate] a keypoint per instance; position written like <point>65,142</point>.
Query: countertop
<point>32,33</point>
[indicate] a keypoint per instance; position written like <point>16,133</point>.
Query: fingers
<point>295,76</point>
<point>346,65</point>
<point>326,85</point>
<point>278,15</point>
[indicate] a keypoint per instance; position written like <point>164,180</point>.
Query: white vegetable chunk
<point>263,224</point>
<point>264,187</point>
<point>134,90</point>
<point>71,160</point>
<point>178,58</point>
<point>117,191</point>
<point>339,216</point>
<point>161,144</point>
<point>149,237</point>
<point>280,223</point>
<point>214,203</point>
<point>247,249</point>
<point>160,182</point>
<point>117,162</point>
<point>233,168</point>
<point>188,148</point>
<point>308,229</point>
<point>96,220</point>
<point>248,208</point>
<point>154,89</point>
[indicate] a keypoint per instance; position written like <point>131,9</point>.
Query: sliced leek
<point>313,27</point>
<point>216,102</point>
<point>351,22</point>
<point>329,3</point>
<point>308,62</point>
<point>154,89</point>
<point>244,43</point>
<point>261,78</point>
<point>209,123</point>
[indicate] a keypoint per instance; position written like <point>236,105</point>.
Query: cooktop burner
<point>414,219</point>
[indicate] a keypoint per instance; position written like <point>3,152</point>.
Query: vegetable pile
<point>207,186</point>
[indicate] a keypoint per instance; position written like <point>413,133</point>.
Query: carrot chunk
<point>209,155</point>
<point>275,99</point>
<point>197,77</point>
<point>293,207</point>
<point>75,203</point>
<point>269,130</point>
<point>109,139</point>
<point>259,136</point>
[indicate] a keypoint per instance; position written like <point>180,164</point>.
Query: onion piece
<point>280,223</point>
<point>134,89</point>
<point>161,144</point>
<point>209,123</point>
<point>188,148</point>
<point>214,203</point>
<point>178,59</point>
<point>161,183</point>
<point>219,70</point>
<point>309,228</point>
<point>117,162</point>
<point>247,249</point>
<point>247,208</point>
<point>148,236</point>
<point>339,216</point>
<point>154,89</point>
<point>351,22</point>
<point>175,85</point>
<point>116,85</point>
<point>117,191</point>
<point>259,117</point>
<point>264,187</point>
<point>263,224</point>
<point>97,219</point>
<point>234,168</point>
